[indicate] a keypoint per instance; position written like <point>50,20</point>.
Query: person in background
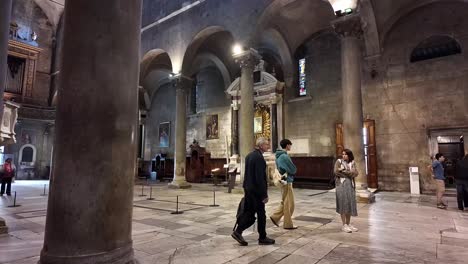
<point>345,171</point>
<point>7,172</point>
<point>439,178</point>
<point>255,195</point>
<point>284,165</point>
<point>461,179</point>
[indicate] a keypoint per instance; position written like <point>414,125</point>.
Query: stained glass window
<point>302,78</point>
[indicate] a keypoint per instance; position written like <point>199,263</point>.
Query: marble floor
<point>397,228</point>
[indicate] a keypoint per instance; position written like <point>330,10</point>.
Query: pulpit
<point>198,163</point>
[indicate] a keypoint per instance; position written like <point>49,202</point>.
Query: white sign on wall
<point>300,146</point>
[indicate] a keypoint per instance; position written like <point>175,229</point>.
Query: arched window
<point>435,47</point>
<point>27,155</point>
<point>300,56</point>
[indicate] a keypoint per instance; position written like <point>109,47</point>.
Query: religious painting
<point>164,134</point>
<point>28,137</point>
<point>212,127</point>
<point>258,125</point>
<point>262,121</point>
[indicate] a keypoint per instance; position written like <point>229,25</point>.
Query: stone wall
<point>313,117</point>
<point>163,109</point>
<point>30,17</point>
<point>40,136</point>
<point>406,99</point>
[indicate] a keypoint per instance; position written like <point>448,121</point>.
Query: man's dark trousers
<point>253,205</point>
<point>462,194</point>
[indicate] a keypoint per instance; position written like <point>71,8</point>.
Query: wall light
<point>343,7</point>
<point>237,49</point>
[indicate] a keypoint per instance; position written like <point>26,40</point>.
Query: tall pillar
<point>247,61</point>
<point>89,213</point>
<point>274,124</point>
<point>5,16</point>
<point>350,30</point>
<point>179,181</point>
<point>235,129</point>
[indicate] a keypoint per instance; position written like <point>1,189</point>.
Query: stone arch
<point>215,40</point>
<point>53,10</point>
<point>272,42</point>
<point>306,16</point>
<point>407,10</point>
<point>155,68</point>
<point>204,59</point>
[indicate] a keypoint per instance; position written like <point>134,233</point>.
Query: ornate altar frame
<point>30,54</point>
<point>268,100</point>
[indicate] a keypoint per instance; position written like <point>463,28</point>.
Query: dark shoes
<point>291,228</point>
<point>266,241</point>
<point>238,237</point>
<point>276,224</point>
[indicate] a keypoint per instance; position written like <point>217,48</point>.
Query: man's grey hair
<point>260,141</point>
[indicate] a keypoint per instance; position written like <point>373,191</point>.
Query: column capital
<point>248,58</point>
<point>235,105</point>
<point>182,82</point>
<point>348,26</point>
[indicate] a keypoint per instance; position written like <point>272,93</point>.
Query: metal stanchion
<point>151,194</point>
<point>214,199</point>
<point>142,191</point>
<point>177,207</point>
<point>14,202</point>
<point>44,194</point>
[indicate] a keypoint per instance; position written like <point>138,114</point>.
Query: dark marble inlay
<point>356,254</point>
<point>320,220</point>
<point>161,223</point>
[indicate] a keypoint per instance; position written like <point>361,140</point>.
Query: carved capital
<point>235,105</point>
<point>249,58</point>
<point>182,83</point>
<point>348,26</point>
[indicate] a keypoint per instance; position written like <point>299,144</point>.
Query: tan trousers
<point>286,208</point>
<point>440,190</point>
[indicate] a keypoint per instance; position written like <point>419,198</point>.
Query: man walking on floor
<point>284,165</point>
<point>255,195</point>
<point>439,178</point>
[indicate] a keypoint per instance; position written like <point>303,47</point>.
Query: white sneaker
<point>354,229</point>
<point>346,229</point>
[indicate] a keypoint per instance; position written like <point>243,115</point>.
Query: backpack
<point>279,179</point>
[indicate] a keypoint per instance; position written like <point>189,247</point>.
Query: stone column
<point>349,28</point>
<point>235,129</point>
<point>181,85</point>
<point>89,213</point>
<point>5,15</point>
<point>274,124</point>
<point>247,61</point>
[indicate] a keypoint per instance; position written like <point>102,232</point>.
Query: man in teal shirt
<point>284,165</point>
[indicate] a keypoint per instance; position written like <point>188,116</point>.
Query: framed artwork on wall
<point>164,134</point>
<point>212,127</point>
<point>258,125</point>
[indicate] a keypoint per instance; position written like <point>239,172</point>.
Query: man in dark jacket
<point>255,195</point>
<point>461,179</point>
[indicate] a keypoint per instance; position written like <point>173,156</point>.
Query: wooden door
<point>371,153</point>
<point>370,149</point>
